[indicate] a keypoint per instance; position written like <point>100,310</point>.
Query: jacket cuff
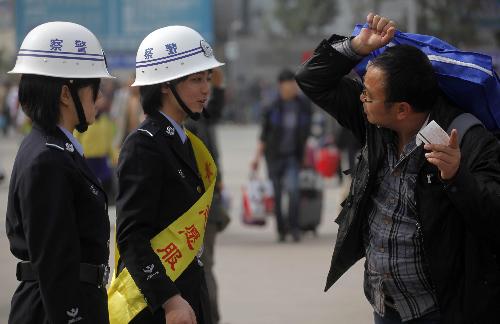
<point>458,187</point>
<point>339,45</point>
<point>337,38</point>
<point>345,48</point>
<point>156,301</point>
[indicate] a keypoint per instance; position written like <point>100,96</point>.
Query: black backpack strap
<point>462,123</point>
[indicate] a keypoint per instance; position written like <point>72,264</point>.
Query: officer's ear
<point>65,97</point>
<point>165,89</point>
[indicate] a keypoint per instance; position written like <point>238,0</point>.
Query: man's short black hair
<point>286,75</point>
<point>39,97</point>
<point>409,77</point>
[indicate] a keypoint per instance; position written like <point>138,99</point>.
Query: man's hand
<point>445,157</point>
<point>379,33</point>
<point>178,311</point>
<point>254,165</point>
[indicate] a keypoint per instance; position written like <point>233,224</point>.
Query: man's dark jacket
<point>458,221</point>
<point>272,128</point>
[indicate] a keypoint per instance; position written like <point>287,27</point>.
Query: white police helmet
<point>61,49</point>
<point>170,53</point>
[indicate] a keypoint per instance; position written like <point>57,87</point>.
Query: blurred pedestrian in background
<point>286,125</point>
<point>126,111</point>
<point>4,109</point>
<point>57,221</point>
<point>424,216</point>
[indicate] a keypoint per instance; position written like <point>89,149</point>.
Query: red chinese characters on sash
<point>204,212</point>
<point>191,234</point>
<point>208,171</point>
<point>172,255</point>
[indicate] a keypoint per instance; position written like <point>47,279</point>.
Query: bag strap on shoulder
<point>462,123</point>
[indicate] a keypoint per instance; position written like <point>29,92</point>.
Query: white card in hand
<point>433,134</point>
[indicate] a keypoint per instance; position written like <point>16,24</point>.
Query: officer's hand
<point>379,33</point>
<point>445,157</point>
<point>178,311</point>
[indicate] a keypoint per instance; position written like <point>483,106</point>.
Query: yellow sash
<point>177,245</point>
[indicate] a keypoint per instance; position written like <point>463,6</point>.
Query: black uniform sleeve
<point>46,197</point>
<point>140,176</point>
<point>323,78</point>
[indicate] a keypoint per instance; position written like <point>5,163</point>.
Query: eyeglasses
<point>364,98</point>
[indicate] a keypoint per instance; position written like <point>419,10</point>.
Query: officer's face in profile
<point>88,97</point>
<point>194,90</point>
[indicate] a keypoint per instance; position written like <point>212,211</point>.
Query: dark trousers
<point>284,174</point>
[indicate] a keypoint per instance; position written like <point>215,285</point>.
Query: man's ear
<point>403,110</point>
<point>65,97</point>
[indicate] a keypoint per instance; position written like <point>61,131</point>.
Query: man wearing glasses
<point>424,216</point>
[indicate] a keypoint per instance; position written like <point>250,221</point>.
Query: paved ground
<point>260,281</point>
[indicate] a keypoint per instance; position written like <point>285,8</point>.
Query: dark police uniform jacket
<point>56,219</point>
<point>158,182</point>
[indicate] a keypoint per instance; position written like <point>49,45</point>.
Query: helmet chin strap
<point>192,115</point>
<point>82,124</point>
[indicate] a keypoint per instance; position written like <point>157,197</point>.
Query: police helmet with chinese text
<point>170,53</point>
<point>61,49</point>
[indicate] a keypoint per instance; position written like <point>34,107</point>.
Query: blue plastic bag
<point>467,78</point>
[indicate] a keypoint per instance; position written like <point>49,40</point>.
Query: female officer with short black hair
<point>57,221</point>
<point>166,179</point>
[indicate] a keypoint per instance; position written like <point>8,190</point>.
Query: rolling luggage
<point>311,200</point>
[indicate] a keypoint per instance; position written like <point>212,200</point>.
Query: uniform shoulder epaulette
<point>54,143</point>
<point>149,129</point>
<point>58,144</point>
<point>54,146</point>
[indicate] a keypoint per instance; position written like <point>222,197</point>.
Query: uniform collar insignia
<point>170,130</point>
<point>69,147</point>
